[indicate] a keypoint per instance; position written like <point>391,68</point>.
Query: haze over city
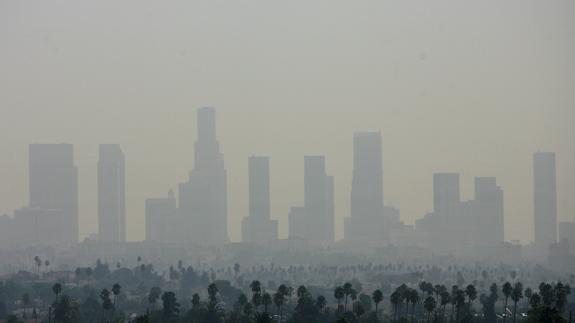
<point>301,161</point>
<point>470,88</point>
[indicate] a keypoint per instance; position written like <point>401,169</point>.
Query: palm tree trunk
<point>515,312</point>
<point>505,311</point>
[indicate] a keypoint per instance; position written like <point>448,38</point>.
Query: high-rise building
<point>203,198</point>
<point>315,221</point>
<point>53,183</point>
<point>446,196</point>
<point>460,225</point>
<point>367,220</point>
<point>162,222</point>
<point>367,183</point>
<point>567,232</point>
<point>258,226</point>
<point>488,212</point>
<point>111,194</point>
<point>545,199</point>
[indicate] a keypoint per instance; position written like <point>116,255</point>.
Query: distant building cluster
<point>199,213</point>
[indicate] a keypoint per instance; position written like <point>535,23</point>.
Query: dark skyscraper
<point>315,221</point>
<point>54,185</point>
<point>111,194</point>
<point>545,199</point>
<point>258,226</point>
<point>203,199</point>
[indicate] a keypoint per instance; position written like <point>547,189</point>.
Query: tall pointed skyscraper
<point>54,185</point>
<point>111,194</point>
<point>203,199</point>
<point>545,199</point>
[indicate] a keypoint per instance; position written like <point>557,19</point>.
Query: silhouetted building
<point>162,222</point>
<point>54,185</point>
<point>31,227</point>
<point>367,182</point>
<point>458,225</point>
<point>315,221</point>
<point>111,194</point>
<point>488,211</point>
<point>446,194</point>
<point>369,220</point>
<point>545,199</point>
<point>203,198</point>
<point>567,233</point>
<point>258,226</point>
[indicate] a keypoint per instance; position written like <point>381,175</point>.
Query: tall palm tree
<point>395,300</point>
<point>471,293</point>
<point>339,294</point>
<point>516,296</point>
<point>266,301</point>
<point>348,291</point>
<point>414,300</point>
<point>116,290</point>
<point>429,305</point>
<point>57,289</point>
<point>507,289</point>
<point>377,298</point>
<point>38,263</point>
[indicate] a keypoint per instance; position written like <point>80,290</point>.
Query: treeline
<point>427,303</point>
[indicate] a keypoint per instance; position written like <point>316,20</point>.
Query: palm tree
<point>154,296</point>
<point>413,296</point>
<point>471,293</point>
<point>516,296</point>
<point>347,290</point>
<point>339,294</point>
<point>429,304</point>
<point>116,290</point>
<point>377,298</point>
<point>321,303</point>
<point>171,306</point>
<point>38,263</point>
<point>507,289</point>
<point>395,300</point>
<point>107,304</point>
<point>256,288</point>
<point>279,302</point>
<point>57,289</point>
<point>266,301</point>
<point>445,298</point>
<point>528,294</point>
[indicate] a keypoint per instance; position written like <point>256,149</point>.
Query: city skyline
<point>203,199</point>
<point>449,93</point>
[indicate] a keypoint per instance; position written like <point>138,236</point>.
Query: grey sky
<point>467,86</point>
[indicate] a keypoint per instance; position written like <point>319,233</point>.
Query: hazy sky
<point>467,86</point>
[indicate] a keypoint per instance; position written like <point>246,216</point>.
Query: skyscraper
<point>367,211</point>
<point>203,198</point>
<point>111,194</point>
<point>315,221</point>
<point>446,194</point>
<point>545,199</point>
<point>258,226</point>
<point>367,183</point>
<point>488,211</point>
<point>162,222</point>
<point>53,183</point>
